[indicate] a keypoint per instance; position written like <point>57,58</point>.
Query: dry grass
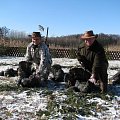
<point>113,48</point>
<point>24,43</point>
<point>13,43</point>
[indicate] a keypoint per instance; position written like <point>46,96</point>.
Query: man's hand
<point>37,76</point>
<point>34,75</point>
<point>92,79</point>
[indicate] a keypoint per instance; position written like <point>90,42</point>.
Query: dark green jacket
<point>93,57</point>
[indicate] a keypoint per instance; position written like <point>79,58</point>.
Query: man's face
<point>89,41</point>
<point>36,40</point>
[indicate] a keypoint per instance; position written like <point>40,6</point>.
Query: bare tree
<point>4,31</point>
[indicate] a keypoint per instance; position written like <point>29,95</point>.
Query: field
<point>55,102</point>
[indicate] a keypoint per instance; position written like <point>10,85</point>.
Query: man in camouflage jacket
<point>92,57</point>
<point>38,53</point>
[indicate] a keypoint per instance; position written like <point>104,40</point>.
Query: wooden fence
<point>56,53</point>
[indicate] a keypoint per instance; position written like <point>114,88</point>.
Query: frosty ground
<point>55,102</point>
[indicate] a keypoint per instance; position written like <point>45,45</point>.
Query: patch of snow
<point>23,106</point>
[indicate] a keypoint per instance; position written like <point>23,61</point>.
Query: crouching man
<point>37,55</point>
<point>92,56</point>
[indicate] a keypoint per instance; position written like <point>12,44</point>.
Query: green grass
<point>74,104</point>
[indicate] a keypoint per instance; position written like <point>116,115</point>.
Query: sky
<point>63,17</point>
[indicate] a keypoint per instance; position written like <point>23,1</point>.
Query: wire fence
<point>56,53</point>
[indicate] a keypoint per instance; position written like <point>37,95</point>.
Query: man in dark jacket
<point>91,56</point>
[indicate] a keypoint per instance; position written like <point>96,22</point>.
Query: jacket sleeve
<point>28,56</point>
<point>44,62</point>
<point>82,59</point>
<point>79,56</point>
<point>100,62</point>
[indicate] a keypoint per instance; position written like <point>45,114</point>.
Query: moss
<point>40,113</point>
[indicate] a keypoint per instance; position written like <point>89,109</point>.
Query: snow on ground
<point>25,104</point>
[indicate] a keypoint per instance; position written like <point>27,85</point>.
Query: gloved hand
<point>92,79</point>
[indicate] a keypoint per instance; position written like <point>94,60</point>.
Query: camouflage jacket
<point>39,55</point>
<point>93,57</point>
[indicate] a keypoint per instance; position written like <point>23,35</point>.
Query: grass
<point>74,104</point>
<point>113,48</point>
<point>15,88</point>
